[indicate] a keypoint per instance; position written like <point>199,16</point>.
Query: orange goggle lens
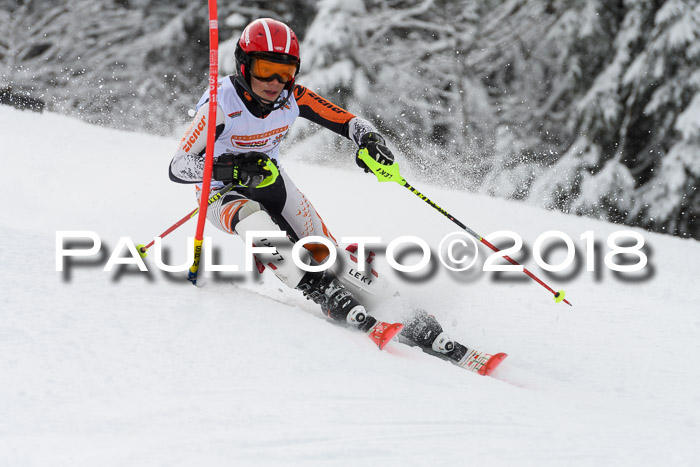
<point>265,70</point>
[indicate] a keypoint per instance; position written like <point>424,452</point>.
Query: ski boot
<point>424,331</point>
<point>340,305</point>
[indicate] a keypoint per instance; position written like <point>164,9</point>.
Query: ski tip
<point>391,331</point>
<point>492,363</point>
<point>382,333</point>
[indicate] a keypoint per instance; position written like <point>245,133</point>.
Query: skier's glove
<point>248,169</point>
<point>376,147</point>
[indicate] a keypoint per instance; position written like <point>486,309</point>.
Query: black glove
<point>376,147</point>
<point>246,169</point>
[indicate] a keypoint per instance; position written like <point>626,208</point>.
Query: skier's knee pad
<point>250,207</point>
<point>280,259</point>
<point>319,252</point>
<point>228,211</point>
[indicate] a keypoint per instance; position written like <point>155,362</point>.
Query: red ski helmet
<point>268,40</point>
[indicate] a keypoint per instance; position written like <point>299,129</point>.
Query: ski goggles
<point>265,70</point>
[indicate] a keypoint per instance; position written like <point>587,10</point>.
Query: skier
<point>256,108</point>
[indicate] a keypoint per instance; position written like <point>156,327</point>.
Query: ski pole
<point>390,173</point>
<point>142,248</point>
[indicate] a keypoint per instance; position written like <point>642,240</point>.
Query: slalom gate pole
<point>211,137</point>
<point>391,173</point>
<point>142,248</point>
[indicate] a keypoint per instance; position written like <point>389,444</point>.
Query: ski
<point>473,360</point>
<point>382,333</point>
<point>481,362</point>
<point>470,359</point>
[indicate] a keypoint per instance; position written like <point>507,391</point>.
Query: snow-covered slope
<point>136,369</point>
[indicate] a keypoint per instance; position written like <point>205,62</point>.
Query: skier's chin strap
<point>264,108</point>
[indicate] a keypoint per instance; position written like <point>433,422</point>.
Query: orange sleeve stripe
<point>324,109</point>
